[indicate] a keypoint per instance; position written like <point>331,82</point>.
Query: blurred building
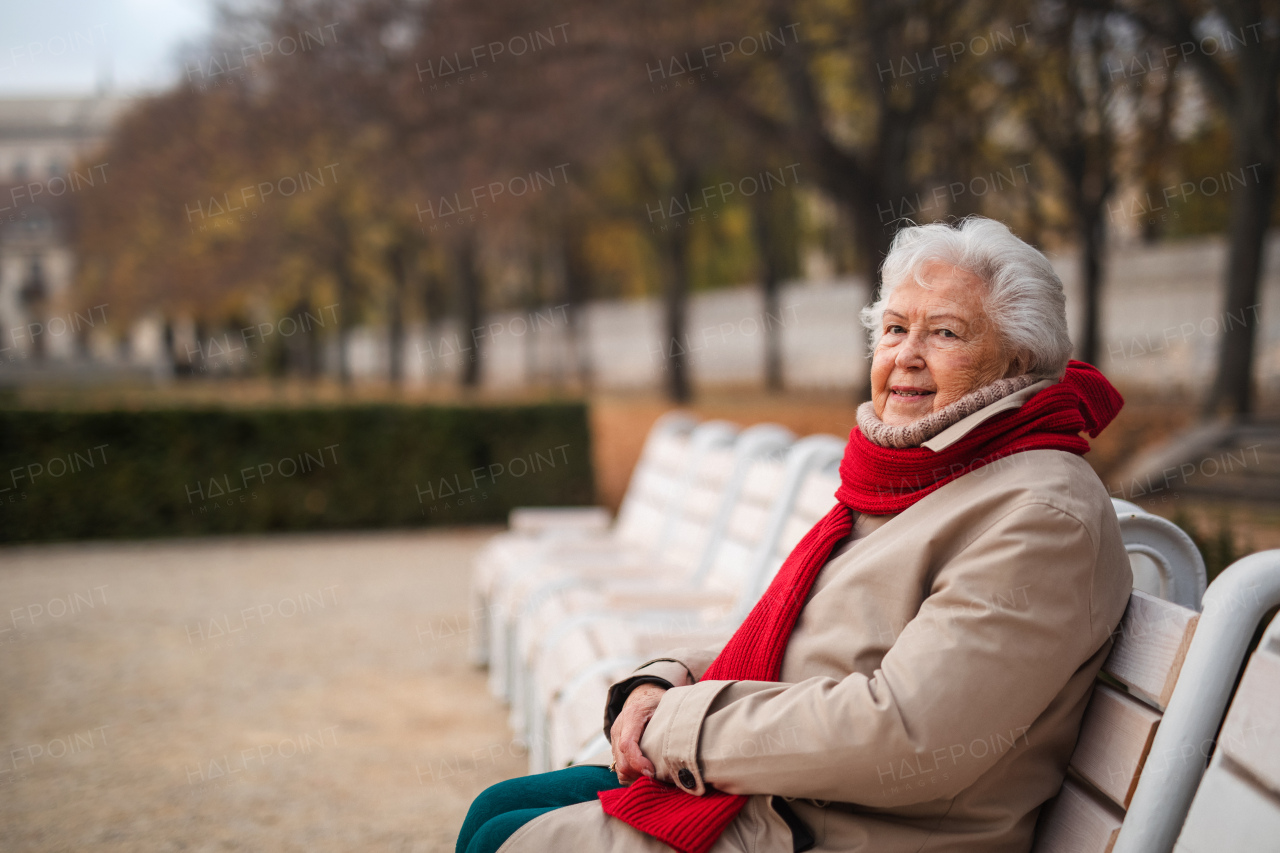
<point>47,148</point>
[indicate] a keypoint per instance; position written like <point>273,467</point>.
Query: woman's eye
<point>894,330</point>
<point>947,333</point>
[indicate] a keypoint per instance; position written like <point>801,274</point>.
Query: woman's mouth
<point>909,393</point>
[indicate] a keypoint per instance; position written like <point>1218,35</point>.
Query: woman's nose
<point>911,353</point>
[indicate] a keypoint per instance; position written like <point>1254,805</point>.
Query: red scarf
<point>874,480</point>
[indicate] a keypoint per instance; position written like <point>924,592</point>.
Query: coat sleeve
<point>680,668</point>
<point>963,672</point>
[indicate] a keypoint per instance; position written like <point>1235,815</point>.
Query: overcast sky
<point>68,46</point>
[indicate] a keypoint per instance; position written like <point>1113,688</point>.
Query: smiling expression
<point>936,346</point>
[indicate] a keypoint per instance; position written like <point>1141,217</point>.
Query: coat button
<point>686,778</point>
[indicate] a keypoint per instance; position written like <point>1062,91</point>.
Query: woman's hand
<point>627,729</point>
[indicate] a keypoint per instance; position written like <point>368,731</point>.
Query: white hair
<point>1024,300</point>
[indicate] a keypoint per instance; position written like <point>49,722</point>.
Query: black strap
<point>618,697</point>
<point>802,837</point>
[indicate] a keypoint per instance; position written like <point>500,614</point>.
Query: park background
<point>277,279</point>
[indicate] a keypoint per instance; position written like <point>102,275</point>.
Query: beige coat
<point>932,690</point>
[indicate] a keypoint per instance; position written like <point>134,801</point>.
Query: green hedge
<point>75,475</point>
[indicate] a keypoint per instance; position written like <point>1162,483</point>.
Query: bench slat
<point>1229,813</point>
<point>1077,822</point>
<point>1150,645</point>
<point>1115,739</point>
<point>1251,734</point>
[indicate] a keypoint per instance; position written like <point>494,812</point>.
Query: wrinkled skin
<point>624,736</point>
<point>937,345</point>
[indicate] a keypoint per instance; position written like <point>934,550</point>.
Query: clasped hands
<point>627,729</point>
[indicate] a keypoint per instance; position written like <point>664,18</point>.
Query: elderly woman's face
<point>936,346</point>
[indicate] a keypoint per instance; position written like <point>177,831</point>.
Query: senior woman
<point>915,676</point>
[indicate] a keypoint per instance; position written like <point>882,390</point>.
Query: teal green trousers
<point>500,810</point>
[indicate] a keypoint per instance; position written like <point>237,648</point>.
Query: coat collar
<point>961,428</point>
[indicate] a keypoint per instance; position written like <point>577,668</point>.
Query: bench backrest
<point>1237,806</point>
<point>1119,727</point>
<point>662,480</point>
<point>1165,562</point>
<point>772,502</point>
<point>746,527</point>
<point>656,476</point>
<point>717,491</point>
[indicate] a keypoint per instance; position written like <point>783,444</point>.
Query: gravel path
<point>269,693</point>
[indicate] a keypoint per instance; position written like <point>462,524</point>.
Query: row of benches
<point>566,603</point>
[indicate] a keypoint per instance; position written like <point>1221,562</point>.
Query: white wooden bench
<point>651,522</point>
<point>547,597</point>
<point>1153,720</point>
<point>661,470</point>
<point>1237,806</point>
<point>1165,562</point>
<point>623,626</point>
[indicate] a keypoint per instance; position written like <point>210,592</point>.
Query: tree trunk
<point>675,293</point>
<point>766,247</point>
<point>575,293</point>
<point>304,356</point>
<point>1255,153</point>
<point>469,299</point>
<point>1232,389</point>
<point>533,369</point>
<point>346,298</point>
<point>434,308</point>
<point>398,265</point>
<point>1254,116</point>
<point>1093,236</point>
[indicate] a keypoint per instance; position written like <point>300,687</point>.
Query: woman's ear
<point>1017,366</point>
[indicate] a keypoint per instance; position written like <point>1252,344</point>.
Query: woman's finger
<point>629,760</point>
<point>636,761</point>
<point>620,765</point>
